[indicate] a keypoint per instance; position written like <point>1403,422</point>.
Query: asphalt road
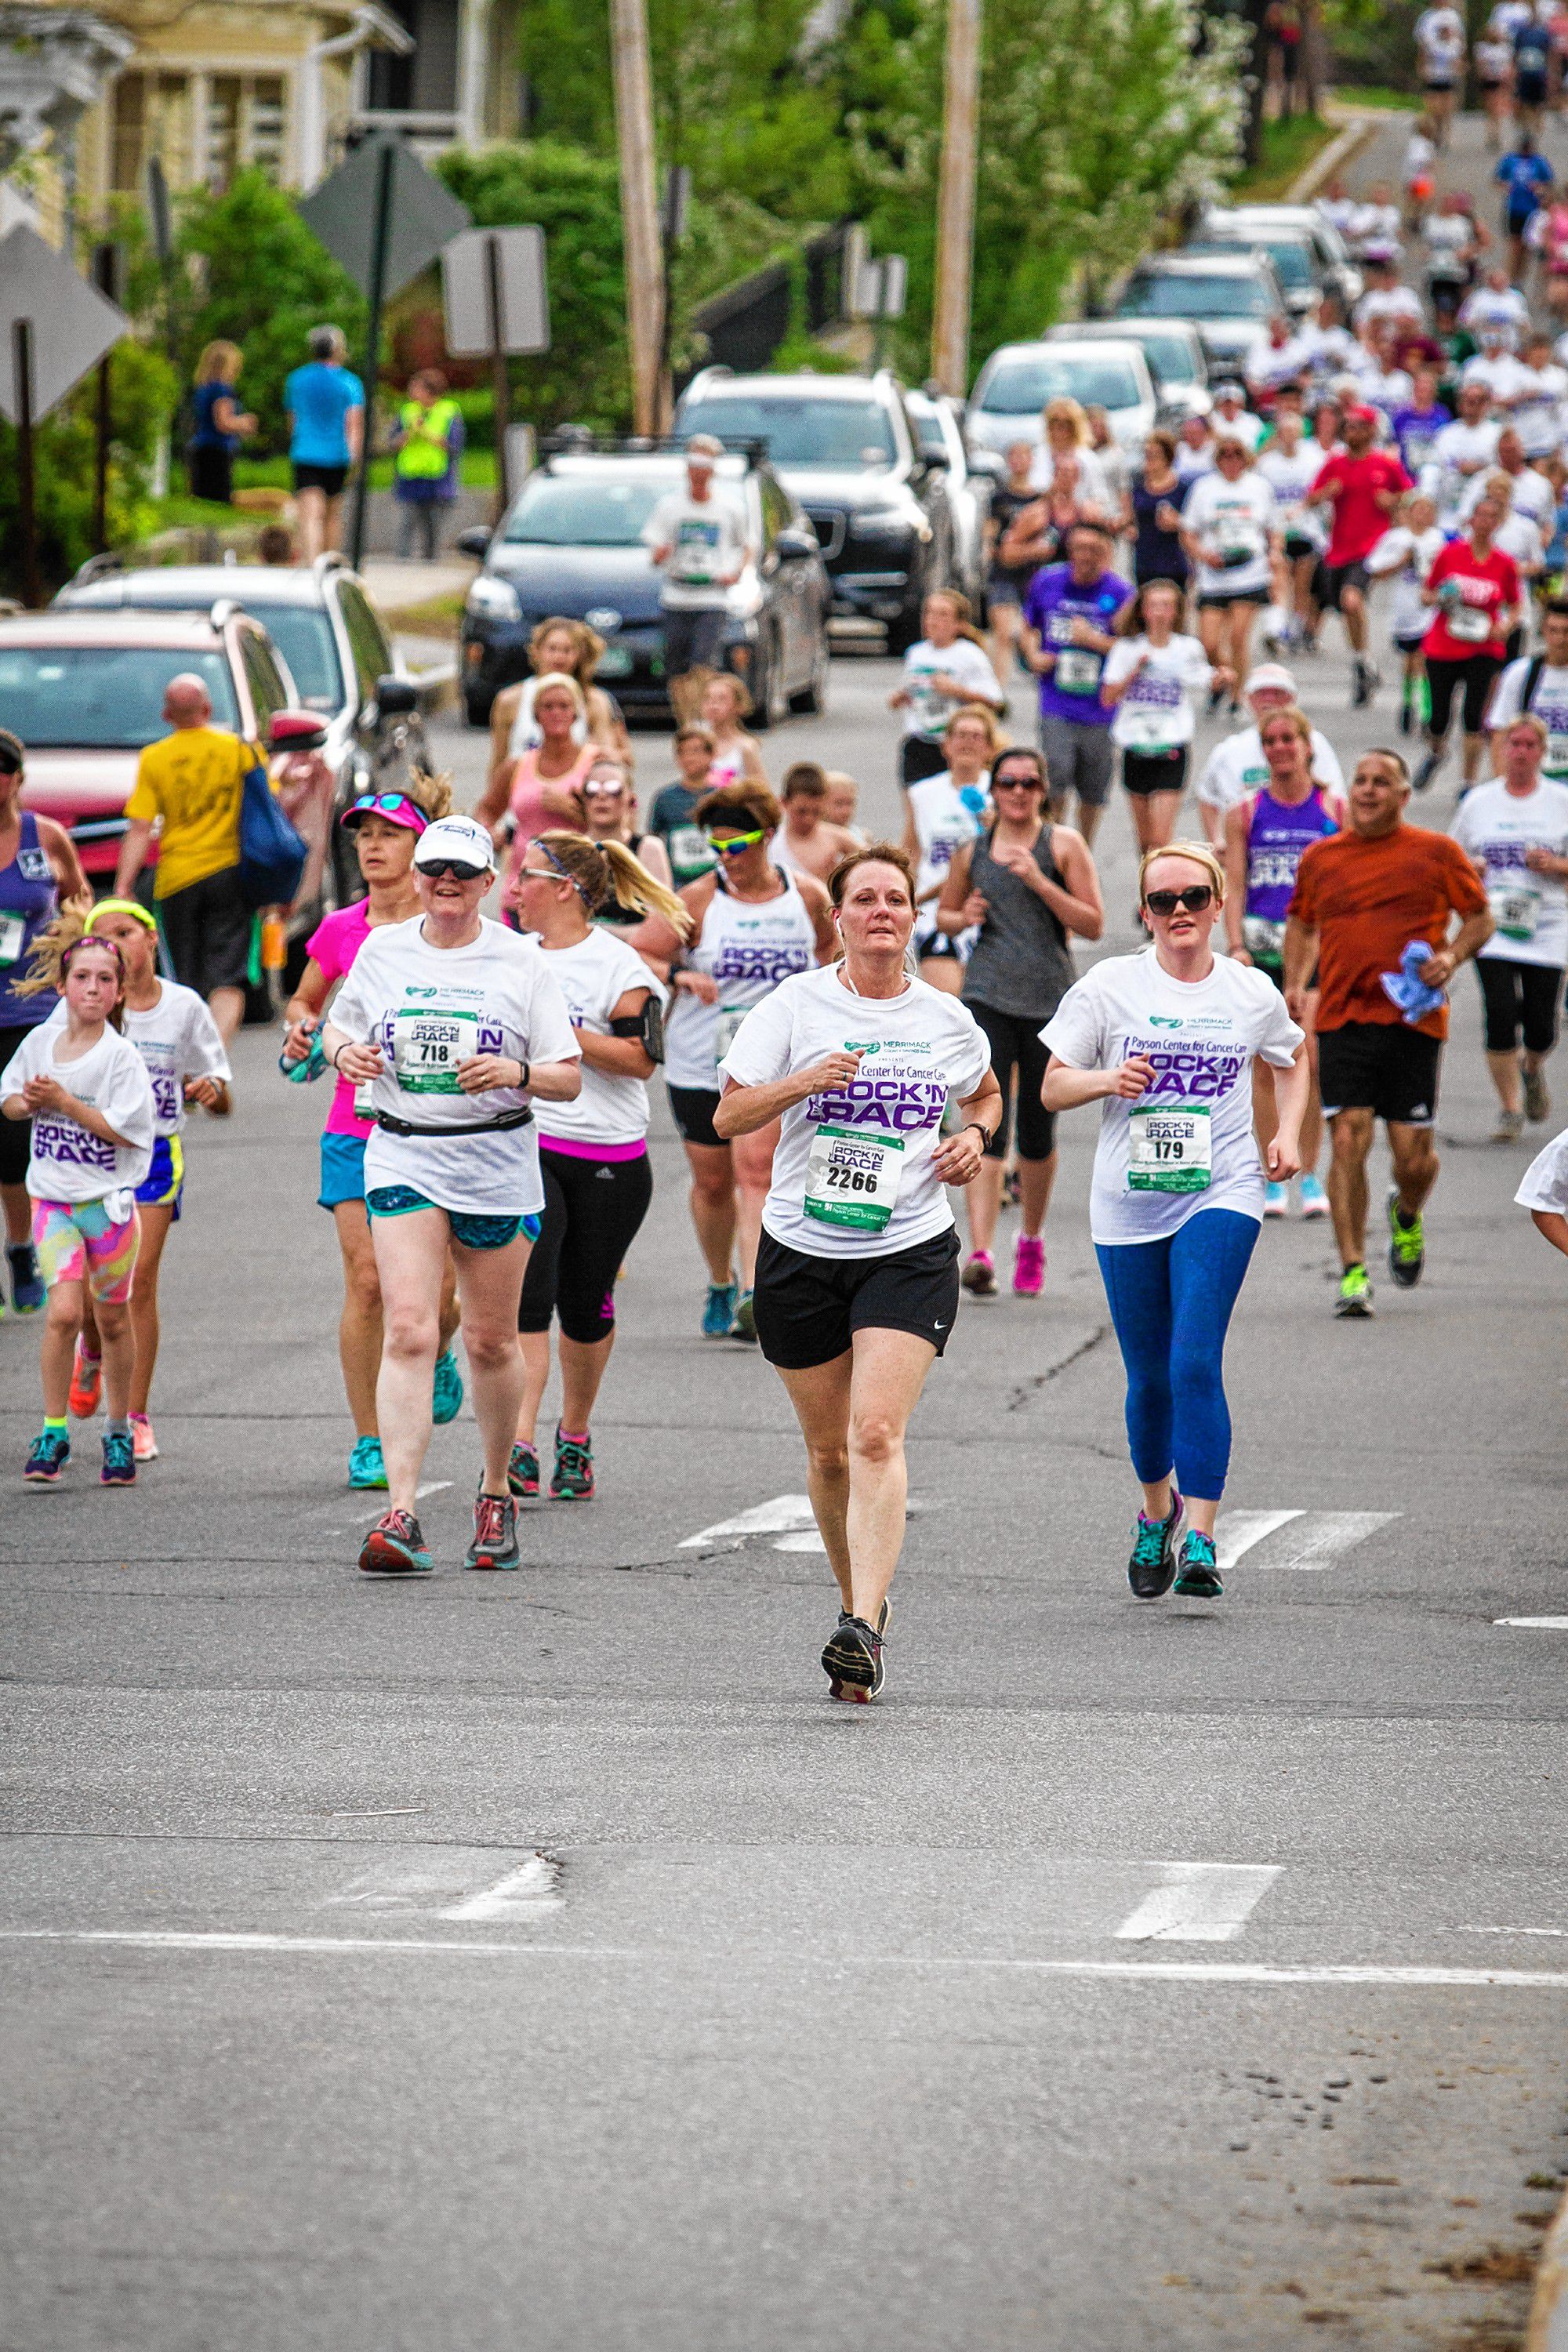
<point>544,1961</point>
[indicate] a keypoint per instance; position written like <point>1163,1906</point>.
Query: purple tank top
<point>1275,839</point>
<point>27,901</point>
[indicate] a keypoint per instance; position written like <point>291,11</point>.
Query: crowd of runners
<point>862,1039</point>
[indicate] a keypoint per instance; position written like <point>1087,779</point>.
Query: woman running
<point>1165,1040</point>
<point>1149,675</point>
<point>751,925</point>
<point>1265,836</point>
<point>1151,513</point>
<point>458,1027</point>
<point>539,787</point>
<point>1230,529</point>
<point>39,873</point>
<point>857,1272</point>
<point>592,1151</point>
<point>944,667</point>
<point>385,828</point>
<point>569,648</point>
<point>87,1092</point>
<point>178,1040</point>
<point>1021,890</point>
<point>725,701</point>
<point>610,814</point>
<point>1006,582</point>
<point>942,812</point>
<point>1474,589</point>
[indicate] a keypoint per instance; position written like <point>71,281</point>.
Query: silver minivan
<point>1017,380</point>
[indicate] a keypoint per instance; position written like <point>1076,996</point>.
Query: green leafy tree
<point>65,446</point>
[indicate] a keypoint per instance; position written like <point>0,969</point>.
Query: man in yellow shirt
<point>195,781</point>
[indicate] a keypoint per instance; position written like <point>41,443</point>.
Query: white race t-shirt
<point>177,1039</point>
<point>865,1149</point>
<point>1290,478</point>
<point>1545,1184</point>
<point>1530,910</point>
<point>428,1008</point>
<point>1459,453</point>
<point>1494,306</point>
<point>926,714</point>
<point>1243,427</point>
<point>1233,518</point>
<point>1530,495</point>
<point>1154,714</point>
<point>1236,766</point>
<point>593,976</point>
<point>943,821</point>
<point>1196,1118</point>
<point>67,1162</point>
<point>708,540</point>
<point>1440,39</point>
<point>1540,409</point>
<point>1549,703</point>
<point>1410,556</point>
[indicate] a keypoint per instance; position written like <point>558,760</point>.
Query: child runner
<point>1408,552</point>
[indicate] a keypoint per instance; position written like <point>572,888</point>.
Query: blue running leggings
<point>1171,1302</point>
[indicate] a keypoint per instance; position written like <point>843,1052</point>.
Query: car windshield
<point>843,434</point>
<point>303,636</point>
<point>1022,387</point>
<point>103,697</point>
<point>1170,357</point>
<point>1181,297</point>
<point>1291,260</point>
<point>585,510</point>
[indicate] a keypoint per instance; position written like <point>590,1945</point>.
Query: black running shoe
<point>1154,1561</point>
<point>853,1660</point>
<point>1361,690</point>
<point>495,1533</point>
<point>395,1547</point>
<point>1426,772</point>
<point>1406,1244</point>
<point>1197,1573</point>
<point>884,1616</point>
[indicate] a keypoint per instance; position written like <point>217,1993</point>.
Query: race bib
<point>1515,908</point>
<point>1078,670</point>
<point>1169,1151</point>
<point>852,1179</point>
<point>1469,623</point>
<point>1149,731</point>
<point>690,851</point>
<point>729,1020</point>
<point>426,1048</point>
<point>12,932</point>
<point>1238,547</point>
<point>1556,760</point>
<point>1262,937</point>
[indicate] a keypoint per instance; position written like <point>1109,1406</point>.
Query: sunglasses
<point>736,842</point>
<point>1026,784</point>
<point>1198,896</point>
<point>389,804</point>
<point>460,870</point>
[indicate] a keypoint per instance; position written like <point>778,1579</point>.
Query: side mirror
<point>396,697</point>
<point>296,731</point>
<point>474,541</point>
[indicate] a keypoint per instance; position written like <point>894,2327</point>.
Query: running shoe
<point>1314,1199</point>
<point>979,1276</point>
<point>1407,1245</point>
<point>395,1547</point>
<point>1426,771</point>
<point>572,1480</point>
<point>48,1457</point>
<point>1028,1267</point>
<point>522,1470</point>
<point>884,1617</point>
<point>719,1314</point>
<point>1537,1101</point>
<point>367,1471</point>
<point>1509,1127</point>
<point>495,1533</point>
<point>87,1383</point>
<point>853,1660</point>
<point>1361,687</point>
<point>144,1444</point>
<point>1197,1577</point>
<point>1355,1295</point>
<point>744,1325</point>
<point>27,1292</point>
<point>118,1459</point>
<point>1276,1200</point>
<point>446,1394</point>
<point>1154,1561</point>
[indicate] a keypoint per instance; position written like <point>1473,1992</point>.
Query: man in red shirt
<point>1362,485</point>
<point>1361,896</point>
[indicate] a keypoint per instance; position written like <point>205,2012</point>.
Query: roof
<point>1198,265</point>
<point>197,586</point>
<point>818,387</point>
<point>96,626</point>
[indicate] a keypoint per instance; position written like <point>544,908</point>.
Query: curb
<point>1339,151</point>
<point>1548,2327</point>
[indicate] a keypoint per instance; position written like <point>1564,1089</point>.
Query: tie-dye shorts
<point>78,1241</point>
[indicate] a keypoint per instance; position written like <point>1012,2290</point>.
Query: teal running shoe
<point>1198,1575</point>
<point>522,1470</point>
<point>573,1478</point>
<point>1154,1561</point>
<point>1314,1199</point>
<point>446,1395</point>
<point>48,1457</point>
<point>118,1459</point>
<point>366,1468</point>
<point>395,1547</point>
<point>719,1314</point>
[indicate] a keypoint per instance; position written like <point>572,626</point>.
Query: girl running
<point>737,755</point>
<point>87,1092</point>
<point>942,668</point>
<point>1165,1039</point>
<point>1407,552</point>
<point>942,812</point>
<point>1149,675</point>
<point>592,1151</point>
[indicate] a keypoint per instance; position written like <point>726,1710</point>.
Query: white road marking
<point>1504,1931</point>
<point>1547,1625</point>
<point>1236,1532</point>
<point>771,1519</point>
<point>1325,1534</point>
<point>807,1539</point>
<point>532,1887</point>
<point>431,1486</point>
<point>1168,1971</point>
<point>1198,1903</point>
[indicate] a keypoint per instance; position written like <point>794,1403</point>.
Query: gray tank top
<point>1021,963</point>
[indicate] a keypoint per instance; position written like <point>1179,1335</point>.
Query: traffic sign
<point>517,272</point>
<point>421,215</point>
<point>72,325</point>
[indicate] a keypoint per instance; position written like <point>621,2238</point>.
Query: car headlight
<point>881,523</point>
<point>491,599</point>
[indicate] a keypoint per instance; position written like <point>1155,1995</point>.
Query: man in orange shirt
<point>1361,897</point>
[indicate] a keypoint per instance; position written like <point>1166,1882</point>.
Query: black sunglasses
<point>459,868</point>
<point>1195,899</point>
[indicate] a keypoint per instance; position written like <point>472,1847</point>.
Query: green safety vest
<point>424,456</point>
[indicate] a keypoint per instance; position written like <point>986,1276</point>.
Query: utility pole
<point>955,199</point>
<point>639,209</point>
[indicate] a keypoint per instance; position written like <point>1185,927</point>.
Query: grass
<point>1398,101</point>
<point>1288,149</point>
<point>437,617</point>
<point>475,471</point>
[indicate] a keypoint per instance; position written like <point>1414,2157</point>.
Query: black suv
<point>846,447</point>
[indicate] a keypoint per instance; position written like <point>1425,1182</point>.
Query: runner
<point>806,842</point>
<point>1290,464</point>
<point>1473,592</point>
<point>1148,681</point>
<point>1361,485</point>
<point>1516,829</point>
<point>1264,838</point>
<point>857,1272</point>
<point>538,787</point>
<point>1440,44</point>
<point>1406,554</point>
<point>1020,890</point>
<point>752,926</point>
<point>1494,78</point>
<point>1230,528</point>
<point>558,647</point>
<point>942,813</point>
<point>1006,582</point>
<point>725,701</point>
<point>696,538</point>
<point>610,814</point>
<point>1464,448</point>
<point>385,828</point>
<point>1364,903</point>
<point>458,1027</point>
<point>1538,682</point>
<point>178,1040</point>
<point>673,816</point>
<point>1165,1039</point>
<point>39,873</point>
<point>592,1151</point>
<point>1069,617</point>
<point>1236,766</point>
<point>944,667</point>
<point>87,1092</point>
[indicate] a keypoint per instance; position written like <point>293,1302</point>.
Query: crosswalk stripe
<point>1324,1534</point>
<point>1198,1903</point>
<point>532,1887</point>
<point>1236,1531</point>
<point>772,1518</point>
<point>1546,1624</point>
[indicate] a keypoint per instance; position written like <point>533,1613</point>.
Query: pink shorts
<point>77,1241</point>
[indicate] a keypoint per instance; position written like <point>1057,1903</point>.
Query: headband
<point>118,907</point>
<point>564,871</point>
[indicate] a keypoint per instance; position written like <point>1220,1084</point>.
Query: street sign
<point>523,325</point>
<point>421,215</point>
<point>72,325</point>
<point>895,284</point>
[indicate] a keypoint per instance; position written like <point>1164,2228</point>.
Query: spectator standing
<point>325,404</point>
<point>427,442</point>
<point>220,424</point>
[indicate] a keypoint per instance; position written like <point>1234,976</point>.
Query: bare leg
<point>889,1373</point>
<point>944,972</point>
<point>1036,1178</point>
<point>119,1358</point>
<point>983,1199</point>
<point>156,1219</point>
<point>536,1350</point>
<point>753,1157</point>
<point>226,1007</point>
<point>583,1363</point>
<point>1352,1133</point>
<point>409,1255</point>
<point>1089,815</point>
<point>359,1326</point>
<point>17,1204</point>
<point>1504,1068</point>
<point>310,512</point>
<point>333,523</point>
<point>713,1201</point>
<point>821,1400</point>
<point>62,1321</point>
<point>489,1283</point>
<point>1416,1164</point>
<point>1155,818</point>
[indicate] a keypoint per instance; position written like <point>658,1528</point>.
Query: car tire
<point>811,699</point>
<point>477,708</point>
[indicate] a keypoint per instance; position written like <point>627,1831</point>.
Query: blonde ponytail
<point>608,869</point>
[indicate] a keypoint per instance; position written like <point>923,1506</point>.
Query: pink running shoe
<point>1028,1267</point>
<point>979,1276</point>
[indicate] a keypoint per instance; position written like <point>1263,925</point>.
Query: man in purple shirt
<point>1070,612</point>
<point>1417,424</point>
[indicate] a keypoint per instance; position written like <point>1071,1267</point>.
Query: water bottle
<point>305,1071</point>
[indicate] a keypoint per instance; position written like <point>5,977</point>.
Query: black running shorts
<point>1382,1066</point>
<point>808,1308</point>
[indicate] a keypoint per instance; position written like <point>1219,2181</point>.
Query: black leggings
<point>593,1208</point>
<point>1444,679</point>
<point>1520,999</point>
<point>1014,1043</point>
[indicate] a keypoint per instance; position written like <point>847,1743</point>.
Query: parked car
<point>1230,299</point>
<point>1172,349</point>
<point>970,481</point>
<point>1336,269</point>
<point>846,447</point>
<point>571,543</point>
<point>1013,387</point>
<point>1292,251</point>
